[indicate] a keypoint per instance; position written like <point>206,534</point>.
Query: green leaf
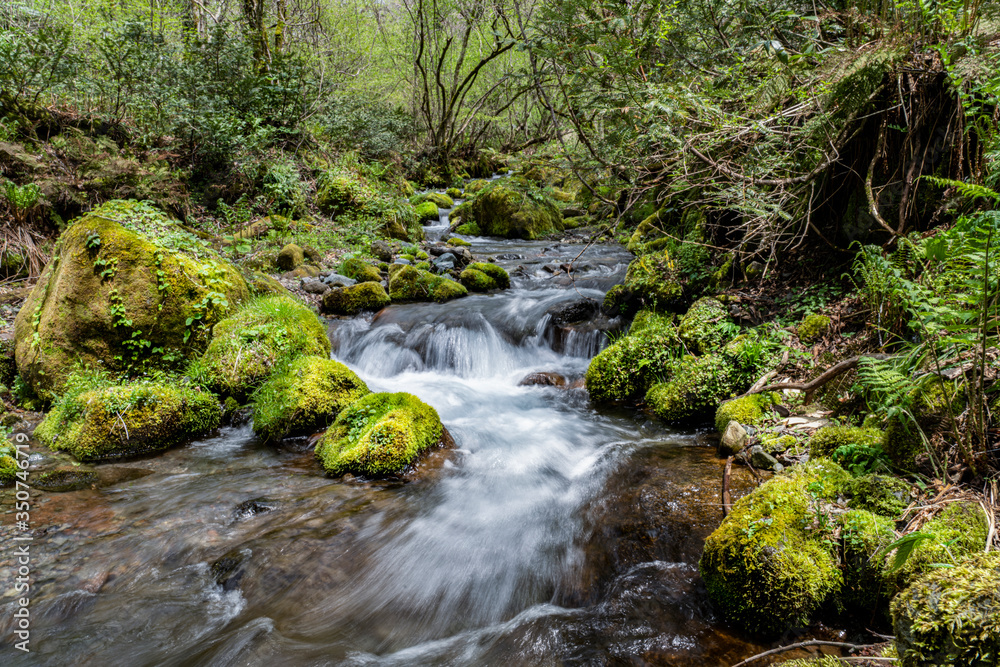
<point>904,547</point>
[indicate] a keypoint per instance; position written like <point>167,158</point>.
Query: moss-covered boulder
<point>951,617</point>
<point>865,537</point>
<point>132,419</point>
<point>652,280</point>
<point>360,270</point>
<point>412,284</point>
<point>381,434</point>
<point>628,367</point>
<point>696,385</point>
<point>765,567</point>
<point>8,463</point>
<point>880,494</point>
<point>290,257</point>
<point>703,328</point>
<point>483,277</point>
<point>827,440</point>
<point>953,534</point>
<point>304,397</point>
<point>931,404</point>
<point>355,299</point>
<point>469,229</point>
<point>427,212</point>
<point>747,410</point>
<point>475,187</point>
<point>248,346</point>
<point>454,193</point>
<point>440,199</point>
<point>813,327</point>
<point>125,285</point>
<point>513,209</point>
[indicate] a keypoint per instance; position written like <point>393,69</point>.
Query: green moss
<point>426,212</point>
<point>360,270</point>
<point>304,397</point>
<point>381,434</point>
<point>703,328</point>
<point>469,229</point>
<point>355,299</point>
<point>127,420</point>
<point>829,439</point>
<point>126,287</point>
<point>475,187</point>
<point>748,410</point>
<point>482,277</point>
<point>619,300</point>
<point>959,530</point>
<point>455,241</point>
<point>513,208</point>
<point>290,257</point>
<point>951,617</point>
<point>411,284</point>
<point>865,536</point>
<point>822,661</point>
<point>813,327</point>
<point>766,567</point>
<point>696,386</point>
<point>8,463</point>
<point>881,494</point>
<point>628,367</point>
<point>776,443</point>
<point>250,345</point>
<point>454,193</point>
<point>439,199</point>
<point>652,279</point>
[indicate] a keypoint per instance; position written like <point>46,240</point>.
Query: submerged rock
<point>124,281</point>
<point>543,379</point>
<point>128,420</point>
<point>305,397</point>
<point>381,434</point>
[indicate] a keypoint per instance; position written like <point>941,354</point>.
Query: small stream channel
<point>552,534</point>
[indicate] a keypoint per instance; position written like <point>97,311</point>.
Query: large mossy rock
<point>950,617</point>
<point>483,277</point>
<point>513,209</point>
<point>248,346</point>
<point>114,422</point>
<point>440,199</point>
<point>381,434</point>
<point>125,284</point>
<point>703,328</point>
<point>747,410</point>
<point>355,299</point>
<point>696,385</point>
<point>305,397</point>
<point>764,566</point>
<point>627,368</point>
<point>360,270</point>
<point>652,281</point>
<point>409,283</point>
<point>8,463</point>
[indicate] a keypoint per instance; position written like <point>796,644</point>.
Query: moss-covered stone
<point>865,536</point>
<point>8,364</point>
<point>703,327</point>
<point>469,229</point>
<point>65,480</point>
<point>360,270</point>
<point>305,396</point>
<point>813,327</point>
<point>747,410</point>
<point>951,617</point>
<point>355,299</point>
<point>455,241</point>
<point>513,209</point>
<point>829,439</point>
<point>8,463</point>
<point>426,212</point>
<point>959,530</point>
<point>128,420</point>
<point>652,280</point>
<point>454,193</point>
<point>881,494</point>
<point>290,257</point>
<point>765,567</point>
<point>475,187</point>
<point>441,200</point>
<point>257,339</point>
<point>411,284</point>
<point>627,368</point>
<point>482,277</point>
<point>696,385</point>
<point>126,284</point>
<point>381,434</point>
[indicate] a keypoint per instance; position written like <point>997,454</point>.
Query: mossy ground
<point>305,396</point>
<point>379,435</point>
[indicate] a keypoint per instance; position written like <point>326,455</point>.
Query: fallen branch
<point>790,647</point>
<point>826,376</point>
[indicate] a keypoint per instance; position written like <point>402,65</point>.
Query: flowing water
<point>550,534</point>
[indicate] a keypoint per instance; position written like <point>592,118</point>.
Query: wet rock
<point>228,570</point>
<point>509,256</point>
<point>250,508</point>
<point>762,460</point>
<point>573,212</point>
<point>404,262</point>
<point>62,480</point>
<point>338,280</point>
<point>543,379</point>
<point>734,439</point>
<point>314,286</point>
<point>445,262</point>
<point>574,312</point>
<point>382,251</point>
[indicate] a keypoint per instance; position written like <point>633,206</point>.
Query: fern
<point>970,190</point>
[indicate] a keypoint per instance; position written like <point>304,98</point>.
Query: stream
<point>552,534</point>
